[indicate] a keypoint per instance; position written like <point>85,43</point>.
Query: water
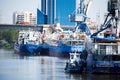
<point>13,67</point>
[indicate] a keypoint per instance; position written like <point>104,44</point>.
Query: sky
<point>8,7</point>
<point>98,7</point>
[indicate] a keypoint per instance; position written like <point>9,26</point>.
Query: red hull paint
<point>20,53</point>
<point>24,53</point>
<point>59,55</point>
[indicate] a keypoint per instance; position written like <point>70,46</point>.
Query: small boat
<point>75,64</point>
<point>28,43</point>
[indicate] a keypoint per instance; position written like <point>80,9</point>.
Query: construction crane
<point>112,18</point>
<point>80,16</point>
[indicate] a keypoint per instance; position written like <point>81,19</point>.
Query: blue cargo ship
<point>63,50</point>
<point>29,43</point>
<point>62,42</point>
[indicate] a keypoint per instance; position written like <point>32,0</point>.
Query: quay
<point>27,27</point>
<point>20,27</point>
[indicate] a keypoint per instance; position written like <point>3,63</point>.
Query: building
<point>42,13</point>
<point>51,11</point>
<point>63,9</point>
<point>47,13</point>
<point>24,18</point>
<point>41,17</point>
<point>56,11</point>
<point>44,6</point>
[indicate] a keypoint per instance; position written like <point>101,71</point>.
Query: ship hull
<point>27,49</point>
<point>63,55</point>
<point>106,70</point>
<point>105,64</point>
<point>63,51</point>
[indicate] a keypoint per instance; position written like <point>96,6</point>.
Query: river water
<point>14,67</point>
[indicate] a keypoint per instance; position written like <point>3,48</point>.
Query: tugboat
<point>75,64</point>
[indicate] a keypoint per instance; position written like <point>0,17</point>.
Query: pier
<point>20,27</point>
<point>27,27</point>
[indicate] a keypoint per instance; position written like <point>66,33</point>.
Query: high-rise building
<point>63,9</point>
<point>47,13</point>
<point>24,18</point>
<point>56,10</point>
<point>41,18</point>
<point>51,11</point>
<point>44,6</point>
<point>42,14</point>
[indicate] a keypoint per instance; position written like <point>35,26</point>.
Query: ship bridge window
<point>102,49</point>
<point>114,49</point>
<point>108,49</point>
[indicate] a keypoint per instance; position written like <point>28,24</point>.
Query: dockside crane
<point>112,19</point>
<point>80,16</point>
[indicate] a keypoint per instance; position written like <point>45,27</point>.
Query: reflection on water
<point>6,54</point>
<point>40,68</point>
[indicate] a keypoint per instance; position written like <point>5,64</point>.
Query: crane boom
<point>79,16</point>
<point>113,9</point>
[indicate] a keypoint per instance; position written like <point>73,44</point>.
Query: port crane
<point>112,19</point>
<point>80,16</point>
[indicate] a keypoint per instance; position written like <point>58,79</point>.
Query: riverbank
<point>5,45</point>
<point>7,38</point>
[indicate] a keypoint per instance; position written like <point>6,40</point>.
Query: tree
<point>10,35</point>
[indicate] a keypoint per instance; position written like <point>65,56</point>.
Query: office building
<point>44,6</point>
<point>56,11</point>
<point>63,9</point>
<point>41,18</point>
<point>48,7</point>
<point>51,11</point>
<point>24,18</point>
<point>47,13</point>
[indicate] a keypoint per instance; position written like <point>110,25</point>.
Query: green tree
<point>10,35</point>
<point>0,35</point>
